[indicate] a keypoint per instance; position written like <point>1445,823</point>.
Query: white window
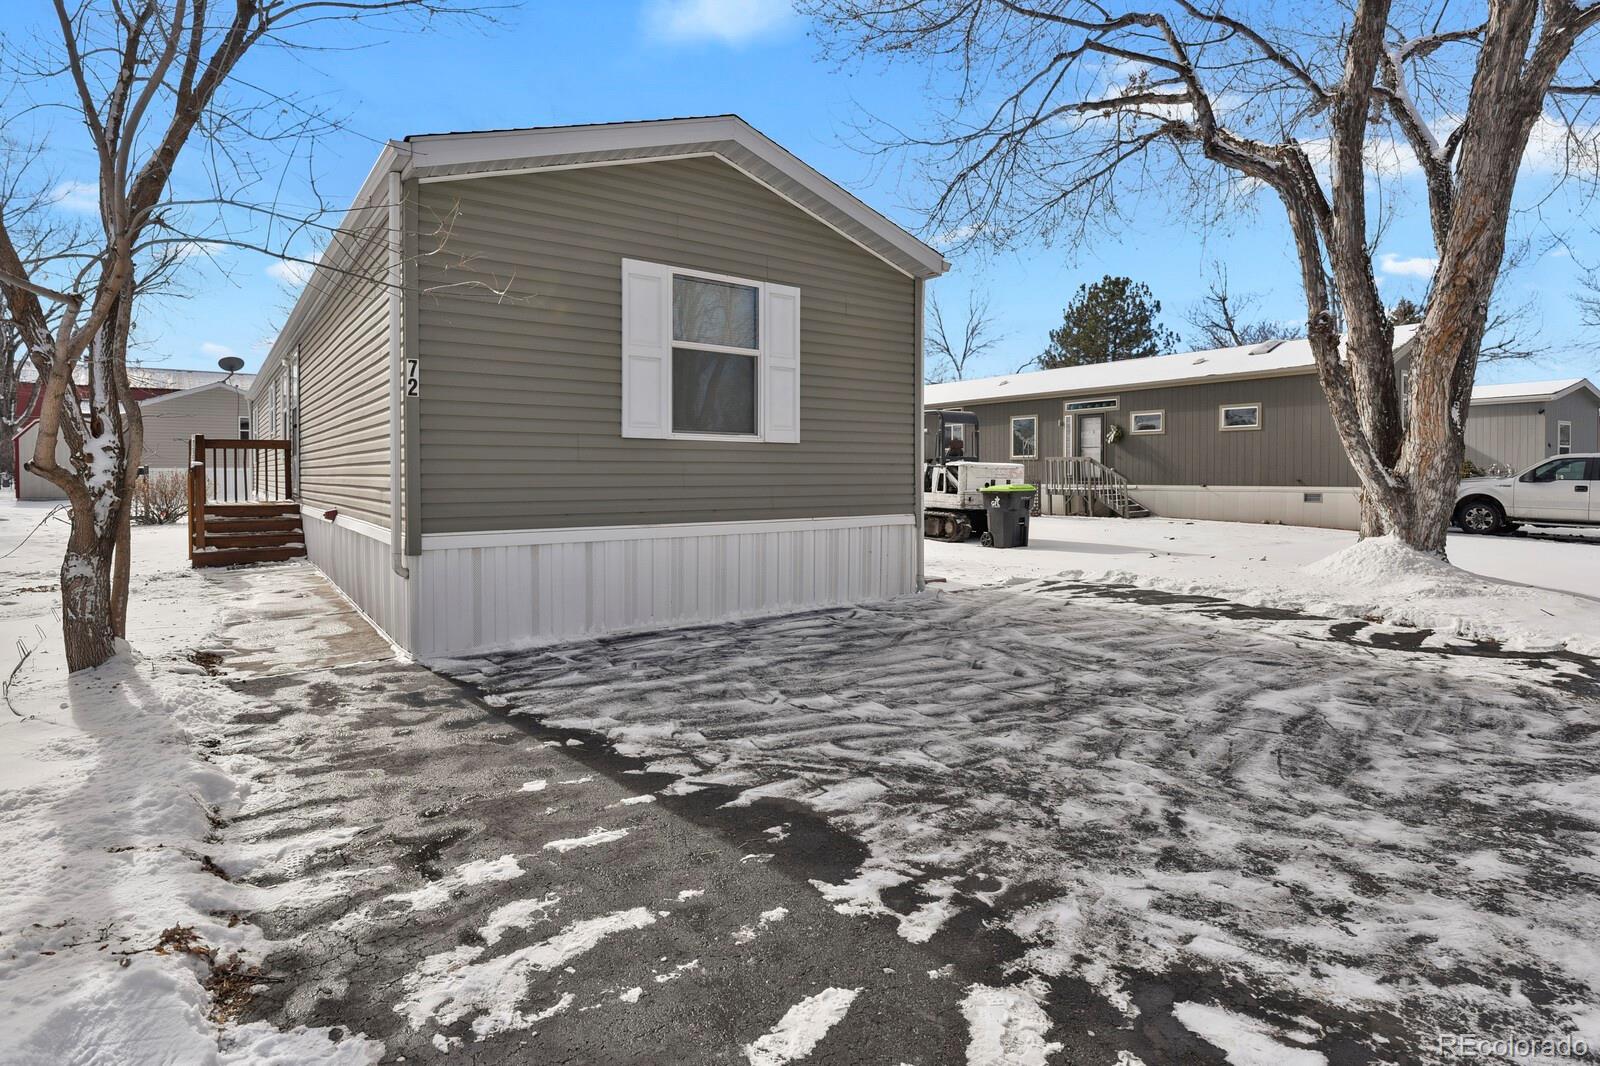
<point>1563,438</point>
<point>244,427</point>
<point>1108,403</point>
<point>1235,416</point>
<point>1148,422</point>
<point>1025,437</point>
<point>706,356</point>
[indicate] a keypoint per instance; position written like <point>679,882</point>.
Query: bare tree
<point>953,351</point>
<point>1066,107</point>
<point>143,79</point>
<point>1589,301</point>
<point>1221,318</point>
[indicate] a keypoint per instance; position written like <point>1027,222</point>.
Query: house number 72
<point>413,377</point>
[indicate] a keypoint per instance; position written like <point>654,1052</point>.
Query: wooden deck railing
<point>235,471</point>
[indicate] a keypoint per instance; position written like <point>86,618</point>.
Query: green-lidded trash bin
<point>1006,507</point>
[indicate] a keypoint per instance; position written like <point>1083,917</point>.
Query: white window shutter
<point>646,349</point>
<point>781,366</point>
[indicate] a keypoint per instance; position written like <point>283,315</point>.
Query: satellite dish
<point>231,363</point>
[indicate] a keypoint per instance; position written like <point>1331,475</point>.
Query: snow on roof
<point>154,377</point>
<point>1514,391</point>
<point>1247,360</point>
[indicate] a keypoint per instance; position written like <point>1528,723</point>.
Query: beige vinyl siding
<point>1296,444</point>
<point>521,403</point>
<point>170,424</point>
<point>344,392</point>
<point>1580,409</point>
<point>1509,434</point>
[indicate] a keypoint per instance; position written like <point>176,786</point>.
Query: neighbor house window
<point>708,356</point>
<point>244,427</point>
<point>1025,437</point>
<point>1149,422</point>
<point>1231,416</point>
<point>1108,403</point>
<point>1563,438</point>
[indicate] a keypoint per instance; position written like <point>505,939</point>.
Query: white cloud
<point>77,196</point>
<point>1416,266</point>
<point>290,272</point>
<point>190,249</point>
<point>215,350</point>
<point>732,22</point>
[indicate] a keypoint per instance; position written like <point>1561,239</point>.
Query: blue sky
<point>620,59</point>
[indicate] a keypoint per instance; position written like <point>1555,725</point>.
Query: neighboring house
<point>171,420</point>
<point>569,380</point>
<point>1514,426</point>
<point>1239,434</point>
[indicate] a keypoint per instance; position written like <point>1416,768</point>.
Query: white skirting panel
<point>356,557</point>
<point>1338,508</point>
<point>493,591</point>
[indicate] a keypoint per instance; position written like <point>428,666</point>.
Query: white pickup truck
<point>1553,492</point>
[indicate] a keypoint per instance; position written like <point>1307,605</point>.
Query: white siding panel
<point>1340,507</point>
<point>472,598</point>
<point>359,563</point>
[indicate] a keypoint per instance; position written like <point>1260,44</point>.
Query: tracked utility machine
<point>962,495</point>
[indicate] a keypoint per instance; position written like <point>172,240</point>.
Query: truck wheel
<point>987,540</point>
<point>1481,516</point>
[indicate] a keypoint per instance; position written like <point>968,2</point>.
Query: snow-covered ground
<point>1530,592</point>
<point>1089,823</point>
<point>114,911</point>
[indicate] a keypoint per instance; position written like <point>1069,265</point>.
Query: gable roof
<point>149,401</point>
<point>484,153</point>
<point>195,391</point>
<point>1531,391</point>
<point>1271,359</point>
<point>466,154</point>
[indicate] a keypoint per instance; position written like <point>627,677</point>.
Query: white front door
<point>1554,491</point>
<point>1091,436</point>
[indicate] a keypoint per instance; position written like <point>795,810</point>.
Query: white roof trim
<point>483,152</point>
<point>1244,362</point>
<point>191,392</point>
<point>1531,391</point>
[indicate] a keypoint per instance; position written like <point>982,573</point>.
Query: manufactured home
<point>549,382</point>
<point>171,420</point>
<point>1515,425</point>
<point>1240,434</point>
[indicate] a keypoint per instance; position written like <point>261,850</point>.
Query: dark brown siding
<point>521,405</point>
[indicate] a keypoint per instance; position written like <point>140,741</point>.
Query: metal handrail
<point>1069,474</point>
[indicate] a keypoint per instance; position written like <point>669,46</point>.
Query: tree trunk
<point>86,594</point>
<point>121,564</point>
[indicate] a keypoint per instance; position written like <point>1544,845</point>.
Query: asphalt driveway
<point>1018,826</point>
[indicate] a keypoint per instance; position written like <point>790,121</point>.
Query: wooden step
<point>272,538</point>
<point>279,509</point>
<point>238,556</point>
<point>235,524</point>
